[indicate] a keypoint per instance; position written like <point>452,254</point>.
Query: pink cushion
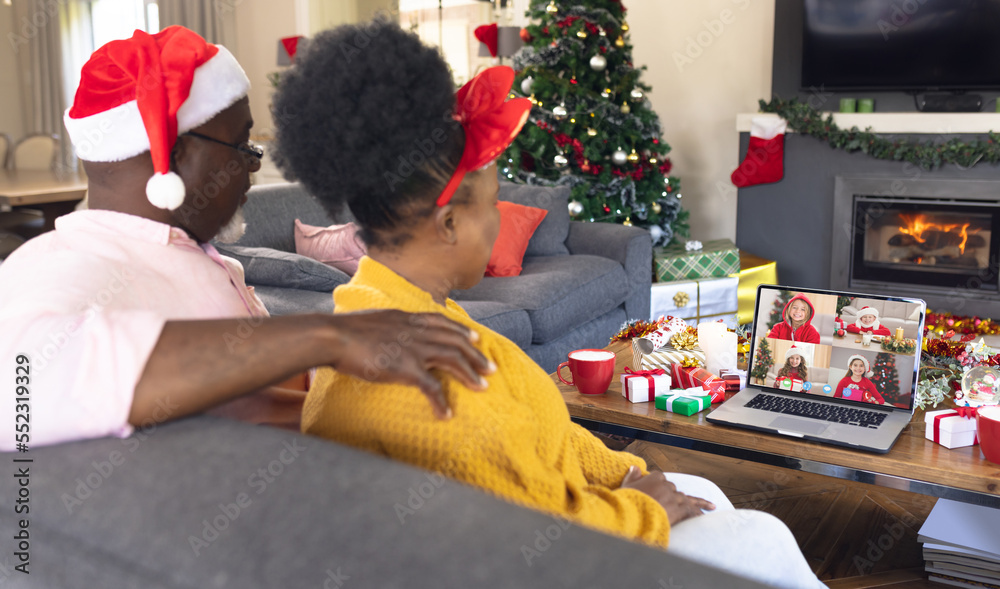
<point>337,245</point>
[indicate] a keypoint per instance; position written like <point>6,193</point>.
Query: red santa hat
<point>867,311</point>
<point>868,371</point>
<point>139,94</point>
<point>794,351</point>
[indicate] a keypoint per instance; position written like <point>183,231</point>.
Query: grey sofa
<point>208,502</point>
<point>580,282</point>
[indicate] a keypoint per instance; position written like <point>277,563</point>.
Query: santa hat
<point>794,351</point>
<point>868,371</point>
<point>139,94</point>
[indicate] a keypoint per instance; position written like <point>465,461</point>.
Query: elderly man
<point>125,314</point>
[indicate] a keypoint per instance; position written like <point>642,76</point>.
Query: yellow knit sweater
<point>515,439</point>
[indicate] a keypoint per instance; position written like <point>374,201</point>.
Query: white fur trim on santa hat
<point>868,368</point>
<point>767,127</point>
<point>868,311</point>
<point>794,351</point>
<point>118,133</point>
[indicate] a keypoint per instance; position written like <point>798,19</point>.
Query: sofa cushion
<point>512,323</point>
<point>337,245</point>
<point>271,211</point>
<point>517,225</point>
<point>558,292</point>
<point>264,266</point>
<point>293,301</point>
<point>550,236</point>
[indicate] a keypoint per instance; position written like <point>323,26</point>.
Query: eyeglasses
<point>249,148</point>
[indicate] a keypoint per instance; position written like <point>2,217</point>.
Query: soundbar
<point>950,103</point>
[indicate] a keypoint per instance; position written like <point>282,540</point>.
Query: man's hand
<point>392,346</point>
<point>679,506</point>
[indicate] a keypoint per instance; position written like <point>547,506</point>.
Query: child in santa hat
<point>795,365</point>
<point>867,322</point>
<point>856,386</point>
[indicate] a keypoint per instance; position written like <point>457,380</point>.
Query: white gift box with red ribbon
<point>950,429</point>
<point>641,386</point>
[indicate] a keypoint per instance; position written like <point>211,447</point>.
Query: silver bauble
<point>598,63</point>
<point>560,160</point>
<point>636,94</point>
<point>526,85</point>
<point>559,112</point>
<point>575,208</point>
<point>655,233</point>
<point>619,157</point>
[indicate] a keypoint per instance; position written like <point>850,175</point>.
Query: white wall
<point>10,85</point>
<point>708,60</point>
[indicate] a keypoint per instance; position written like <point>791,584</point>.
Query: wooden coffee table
<point>53,193</point>
<point>914,464</point>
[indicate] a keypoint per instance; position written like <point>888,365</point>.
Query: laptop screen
<point>851,347</point>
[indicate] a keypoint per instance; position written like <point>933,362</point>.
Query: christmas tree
<point>886,379</point>
<point>591,127</point>
<point>779,307</point>
<point>762,360</point>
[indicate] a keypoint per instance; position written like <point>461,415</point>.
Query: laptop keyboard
<point>823,411</point>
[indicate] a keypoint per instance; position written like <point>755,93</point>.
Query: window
<point>118,19</point>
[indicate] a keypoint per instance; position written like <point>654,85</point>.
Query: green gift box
<point>682,402</point>
<point>715,259</point>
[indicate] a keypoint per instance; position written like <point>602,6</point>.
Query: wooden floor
<point>853,535</point>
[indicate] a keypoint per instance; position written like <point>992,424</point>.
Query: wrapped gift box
<point>642,386</point>
<point>715,259</point>
<point>788,383</point>
<point>663,357</point>
<point>684,402</point>
<point>696,300</point>
<point>950,429</point>
<point>687,378</point>
<point>754,271</point>
<point>735,379</point>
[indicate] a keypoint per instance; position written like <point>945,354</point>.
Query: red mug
<point>591,370</point>
<point>988,430</point>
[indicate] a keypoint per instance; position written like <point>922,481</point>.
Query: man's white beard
<point>232,231</point>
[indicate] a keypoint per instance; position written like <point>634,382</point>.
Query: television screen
<point>901,44</point>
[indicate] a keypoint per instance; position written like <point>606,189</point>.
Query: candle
<point>899,333</point>
<point>719,345</point>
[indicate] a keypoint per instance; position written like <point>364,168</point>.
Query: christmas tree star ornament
<point>764,161</point>
<point>185,82</point>
<point>598,63</point>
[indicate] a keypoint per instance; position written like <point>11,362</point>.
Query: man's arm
<point>197,365</point>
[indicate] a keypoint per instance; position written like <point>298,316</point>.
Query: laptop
<point>855,390</point>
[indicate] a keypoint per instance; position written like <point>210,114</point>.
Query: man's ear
<point>445,224</point>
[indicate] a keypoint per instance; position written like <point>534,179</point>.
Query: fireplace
<point>929,239</point>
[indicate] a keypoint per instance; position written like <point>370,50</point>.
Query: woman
<point>380,129</point>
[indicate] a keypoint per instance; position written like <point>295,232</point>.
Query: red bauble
<point>526,36</point>
<point>585,166</point>
<point>607,209</point>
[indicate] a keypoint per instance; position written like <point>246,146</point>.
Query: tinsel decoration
<point>806,120</point>
<point>941,323</point>
<point>638,328</point>
<point>903,346</point>
<point>686,340</point>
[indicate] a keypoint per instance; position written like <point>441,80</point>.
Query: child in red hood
<point>796,322</point>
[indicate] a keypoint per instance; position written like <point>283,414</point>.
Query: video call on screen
<point>854,348</point>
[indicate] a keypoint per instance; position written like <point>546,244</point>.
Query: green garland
<point>808,121</point>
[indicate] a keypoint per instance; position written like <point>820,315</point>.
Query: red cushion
<point>517,225</point>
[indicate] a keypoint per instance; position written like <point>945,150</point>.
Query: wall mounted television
<point>901,45</point>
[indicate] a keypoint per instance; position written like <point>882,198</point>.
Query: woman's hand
<point>678,506</point>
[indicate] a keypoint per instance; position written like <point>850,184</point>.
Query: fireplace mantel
<point>902,122</point>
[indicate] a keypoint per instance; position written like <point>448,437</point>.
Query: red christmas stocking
<point>764,162</point>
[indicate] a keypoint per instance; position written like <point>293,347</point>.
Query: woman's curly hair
<point>364,118</point>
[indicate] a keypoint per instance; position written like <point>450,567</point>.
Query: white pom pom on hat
<point>868,370</point>
<point>139,94</point>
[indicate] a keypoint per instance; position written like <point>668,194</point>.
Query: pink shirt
<point>86,304</point>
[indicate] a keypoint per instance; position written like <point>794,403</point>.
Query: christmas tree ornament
<point>606,93</point>
<point>619,157</point>
<point>552,8</point>
<point>636,94</point>
<point>560,160</point>
<point>526,36</point>
<point>657,207</point>
<point>526,84</point>
<point>652,160</point>
<point>624,27</point>
<point>619,42</point>
<point>573,80</point>
<point>602,32</point>
<point>560,112</point>
<point>575,208</point>
<point>627,222</point>
<point>592,132</point>
<point>581,34</point>
<point>585,166</point>
<point>764,161</point>
<point>532,99</point>
<point>633,157</point>
<point>607,209</point>
<point>655,233</point>
<point>598,63</point>
<point>626,108</point>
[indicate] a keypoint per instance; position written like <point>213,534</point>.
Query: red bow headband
<point>490,122</point>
